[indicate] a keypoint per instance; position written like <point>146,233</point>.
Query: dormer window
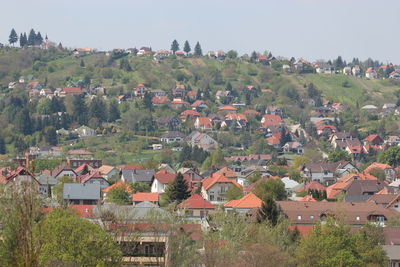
<point>312,217</point>
<point>358,218</point>
<point>299,217</point>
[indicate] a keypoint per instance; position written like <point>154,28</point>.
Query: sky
<point>309,29</point>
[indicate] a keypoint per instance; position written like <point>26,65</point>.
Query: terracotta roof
<point>236,117</point>
<point>270,120</point>
<point>72,90</point>
<point>140,197</point>
<point>86,177</point>
<point>83,211</point>
<point>131,167</point>
<point>251,112</point>
<point>333,191</point>
<point>193,93</point>
<point>197,103</point>
<point>304,230</point>
<point>227,108</point>
<point>118,184</point>
<point>204,122</point>
<point>307,198</point>
<point>371,137</point>
<point>375,165</point>
<point>273,140</point>
<point>208,182</point>
<point>356,176</point>
<point>179,101</point>
<point>196,202</point>
<point>191,113</point>
<point>83,166</point>
<point>159,99</point>
<point>314,185</point>
<point>249,201</point>
<point>226,172</point>
<point>164,176</point>
<point>105,169</point>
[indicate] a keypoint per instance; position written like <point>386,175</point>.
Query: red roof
<point>193,93</point>
<point>164,177</point>
<point>131,167</point>
<point>179,101</point>
<point>86,177</point>
<point>197,103</point>
<point>72,90</point>
<point>191,113</point>
<point>140,197</point>
<point>307,198</point>
<point>204,122</point>
<point>196,202</point>
<point>270,120</point>
<point>274,140</point>
<point>83,211</point>
<point>314,185</point>
<point>251,112</point>
<point>304,230</point>
<point>82,167</point>
<point>375,165</point>
<point>333,191</point>
<point>227,108</point>
<point>128,189</point>
<point>218,178</point>
<point>249,201</point>
<point>159,99</point>
<point>236,117</point>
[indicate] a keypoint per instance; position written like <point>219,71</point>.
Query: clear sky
<point>312,29</point>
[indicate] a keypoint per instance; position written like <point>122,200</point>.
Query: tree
<point>271,187</point>
<point>50,135</point>
<point>13,38</point>
<point>113,111</point>
<point>336,156</point>
<point>124,65</point>
<point>253,56</point>
<point>378,173</point>
<point>197,50</point>
<point>2,146</point>
<point>69,239</point>
<point>390,156</point>
<point>178,190</point>
<point>79,112</point>
<point>59,188</point>
<point>97,110</point>
<point>140,187</point>
<point>393,221</point>
<point>186,48</point>
<point>82,64</point>
<point>31,38</point>
<point>233,193</point>
<point>22,40</point>
<point>268,211</point>
<point>231,54</point>
<point>38,39</point>
<point>119,195</point>
<point>174,46</point>
<point>147,101</point>
<point>333,244</point>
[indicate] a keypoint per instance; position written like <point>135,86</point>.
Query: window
<point>211,197</point>
<point>312,217</point>
<point>299,217</point>
<point>358,218</point>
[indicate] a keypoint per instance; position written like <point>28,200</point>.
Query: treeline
<point>33,39</point>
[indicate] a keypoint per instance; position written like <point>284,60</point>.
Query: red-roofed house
<point>178,103</point>
<point>334,191</point>
<point>140,90</point>
<point>237,119</point>
<point>227,108</point>
<point>70,91</point>
<point>161,179</point>
<point>119,184</point>
<point>314,185</point>
<point>251,112</point>
<point>192,95</point>
<point>215,187</point>
<point>245,204</point>
<point>149,197</point>
<point>307,198</point>
<point>203,123</point>
<point>270,120</point>
<point>196,206</point>
<point>274,140</point>
<point>371,73</point>
<point>390,173</point>
<point>373,139</point>
<point>199,105</point>
<point>93,177</point>
<point>159,100</point>
<point>191,114</point>
<point>326,130</point>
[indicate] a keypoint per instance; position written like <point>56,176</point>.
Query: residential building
<point>81,194</point>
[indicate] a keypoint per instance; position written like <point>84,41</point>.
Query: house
<point>69,91</point>
<point>251,112</point>
<point>18,176</point>
<point>192,95</point>
<point>140,90</point>
<point>390,173</point>
<point>286,68</point>
<point>45,92</point>
<point>227,108</point>
<point>293,147</point>
<point>386,200</point>
<point>64,171</point>
<point>326,130</point>
<point>353,213</point>
<point>236,120</point>
<point>196,207</point>
<point>46,151</point>
<point>371,73</point>
<point>199,105</point>
<point>201,140</point>
<point>393,140</point>
<point>290,185</point>
<point>395,75</point>
<point>270,120</point>
<point>373,139</point>
<point>160,100</point>
<point>219,95</point>
<point>274,110</point>
<point>93,178</point>
<point>324,172</point>
<point>168,122</point>
<point>85,131</point>
<point>119,184</point>
<point>161,179</point>
<point>144,196</point>
<point>203,123</point>
<point>191,114</point>
<point>347,70</point>
<point>157,146</point>
<point>215,187</point>
<point>324,68</point>
<point>47,183</point>
<point>178,103</point>
<point>81,194</point>
<point>191,176</point>
<point>158,92</point>
<point>356,70</point>
<point>108,171</point>
<point>84,169</point>
<point>179,91</point>
<point>161,54</point>
<point>172,137</point>
<point>137,175</point>
<point>362,190</point>
<point>245,204</point>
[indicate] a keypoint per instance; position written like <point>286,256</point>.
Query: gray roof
<point>81,191</point>
<point>173,134</point>
<point>392,251</point>
<point>144,211</point>
<point>131,176</point>
<point>46,179</point>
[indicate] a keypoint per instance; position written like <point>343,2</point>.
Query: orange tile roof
<point>140,197</point>
<point>251,112</point>
<point>208,182</point>
<point>334,190</point>
<point>307,198</point>
<point>72,90</point>
<point>377,165</point>
<point>227,172</point>
<point>164,176</point>
<point>128,189</point>
<point>196,202</point>
<point>159,99</point>
<point>236,117</point>
<point>273,140</point>
<point>191,113</point>
<point>357,176</point>
<point>204,122</point>
<point>249,201</point>
<point>227,108</point>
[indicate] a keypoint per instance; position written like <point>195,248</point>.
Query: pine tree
<point>178,190</point>
<point>82,64</point>
<point>13,38</point>
<point>79,113</point>
<point>22,40</point>
<point>60,46</point>
<point>186,47</point>
<point>38,39</point>
<point>253,56</point>
<point>174,46</point>
<point>268,211</point>
<point>96,110</point>
<point>197,50</point>
<point>31,38</point>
